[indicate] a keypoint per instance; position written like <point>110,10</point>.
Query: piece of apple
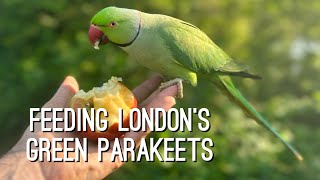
<point>111,96</point>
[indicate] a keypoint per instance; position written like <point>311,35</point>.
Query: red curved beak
<point>96,36</point>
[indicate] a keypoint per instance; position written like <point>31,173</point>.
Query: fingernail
<point>71,82</point>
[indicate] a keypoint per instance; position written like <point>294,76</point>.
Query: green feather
<point>225,85</point>
<point>193,49</point>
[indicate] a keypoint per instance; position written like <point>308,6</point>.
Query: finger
<point>64,94</point>
<point>147,87</point>
<point>149,98</point>
<point>165,99</point>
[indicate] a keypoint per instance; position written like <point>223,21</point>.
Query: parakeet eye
<point>113,24</point>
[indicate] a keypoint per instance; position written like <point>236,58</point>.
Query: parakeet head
<point>116,25</point>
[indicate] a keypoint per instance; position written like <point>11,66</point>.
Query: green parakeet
<point>177,50</point>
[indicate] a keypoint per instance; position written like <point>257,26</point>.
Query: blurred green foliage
<point>41,42</point>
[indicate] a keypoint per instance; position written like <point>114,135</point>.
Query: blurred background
<point>41,42</point>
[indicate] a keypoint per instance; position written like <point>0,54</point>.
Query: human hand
<point>15,165</point>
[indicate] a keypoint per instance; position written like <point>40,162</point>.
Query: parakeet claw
<point>178,82</point>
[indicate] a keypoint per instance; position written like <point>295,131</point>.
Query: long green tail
<point>225,85</point>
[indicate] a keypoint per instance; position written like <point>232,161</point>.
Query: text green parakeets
<point>176,49</point>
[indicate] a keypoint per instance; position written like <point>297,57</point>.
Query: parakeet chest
<point>149,52</point>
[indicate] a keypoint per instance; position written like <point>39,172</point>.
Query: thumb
<point>64,94</point>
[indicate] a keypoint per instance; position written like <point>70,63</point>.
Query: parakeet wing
<point>192,48</point>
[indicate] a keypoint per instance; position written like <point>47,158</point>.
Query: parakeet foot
<point>178,82</point>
